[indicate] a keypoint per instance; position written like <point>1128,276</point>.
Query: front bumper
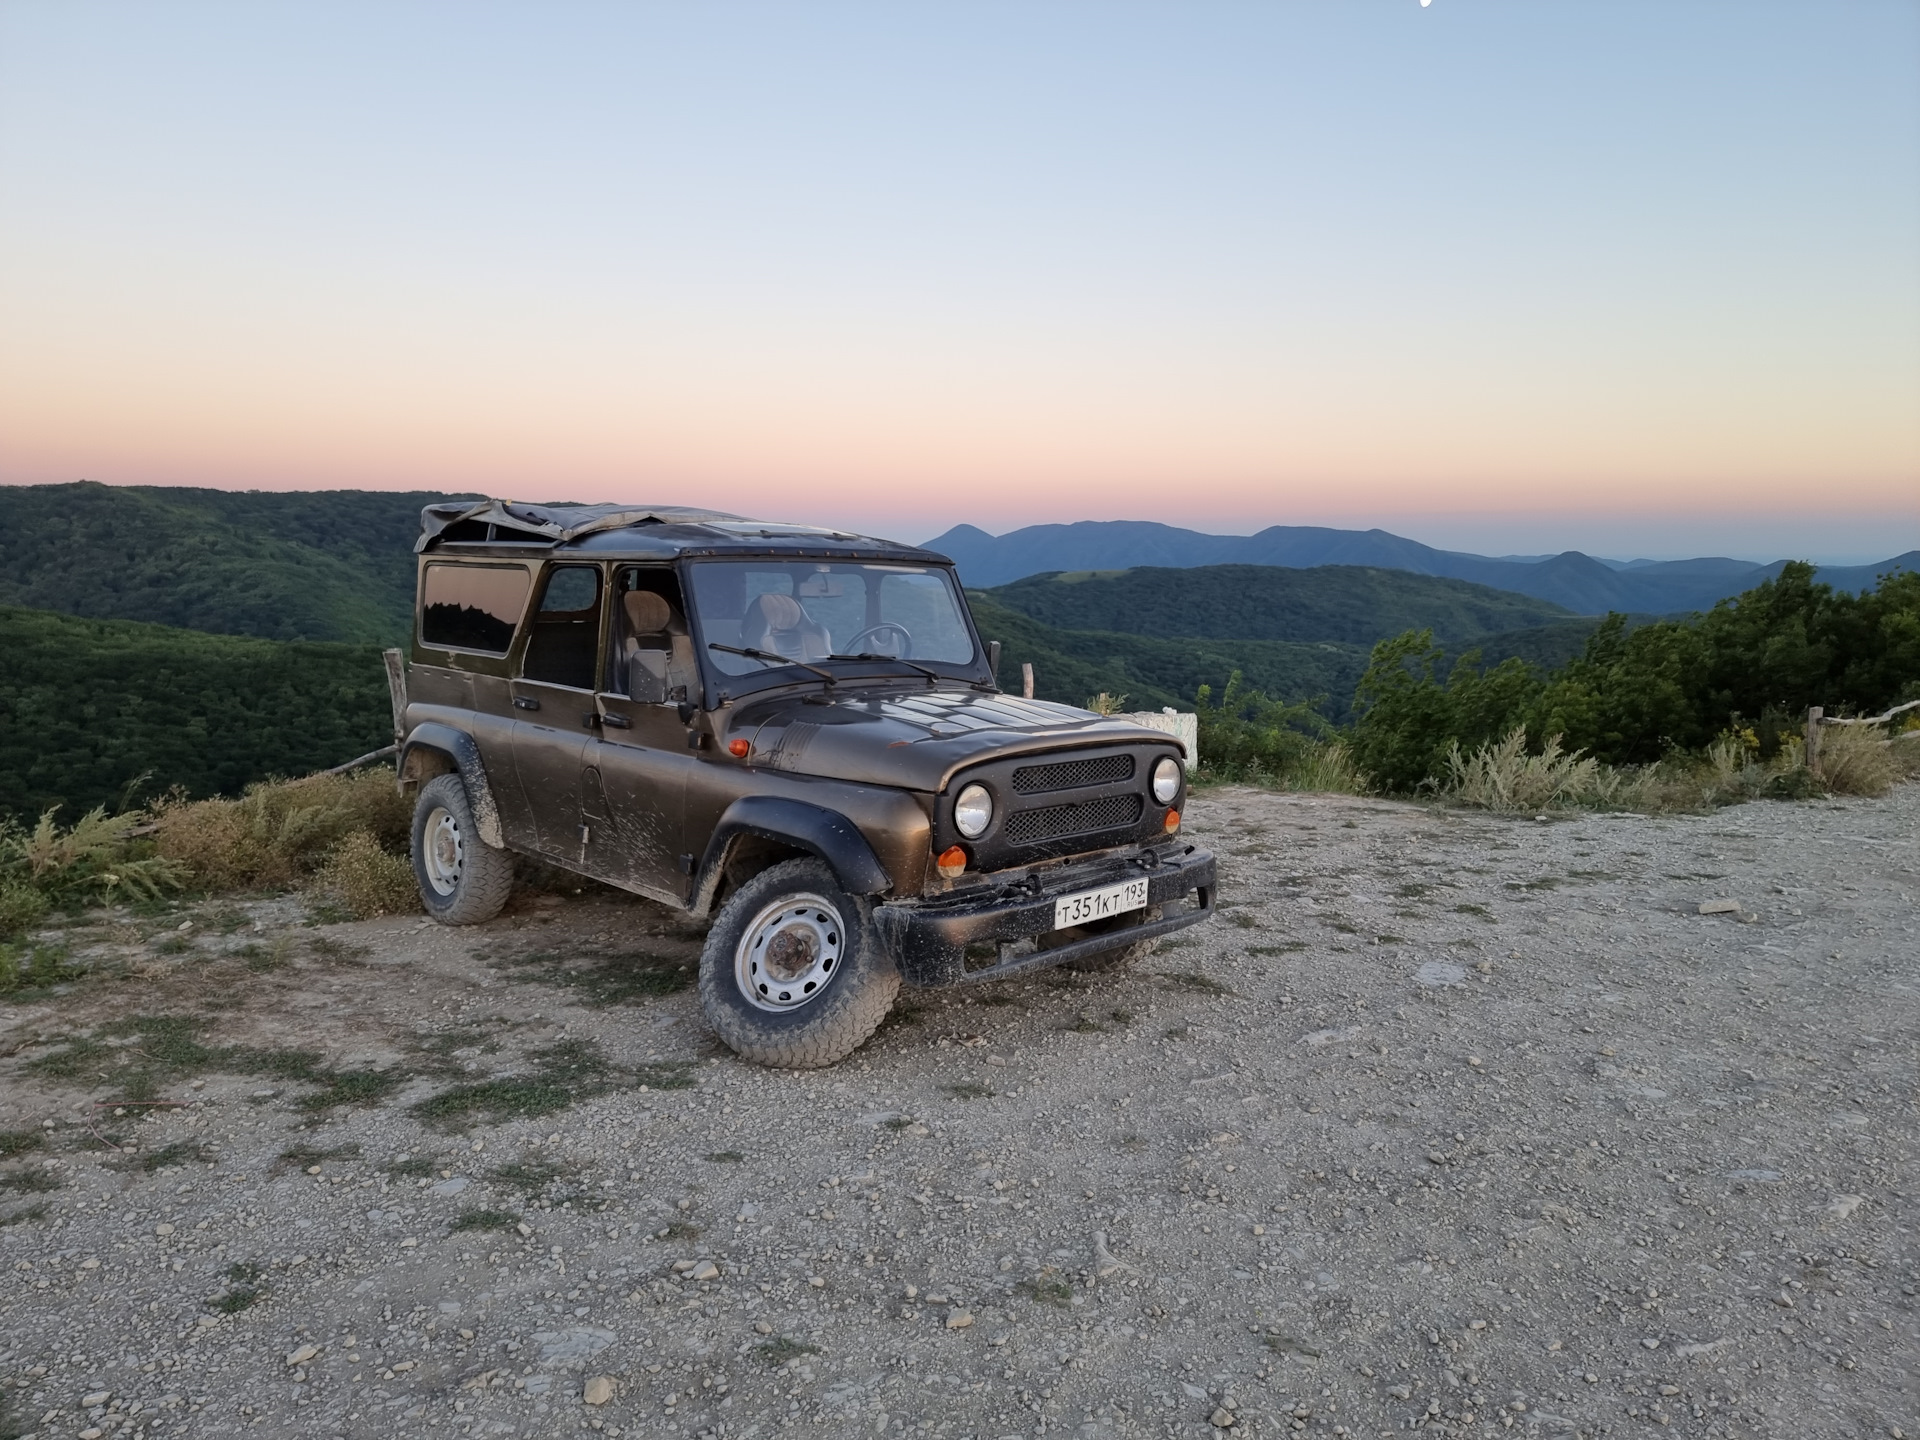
<point>929,938</point>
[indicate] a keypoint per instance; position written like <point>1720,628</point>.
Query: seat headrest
<point>647,613</point>
<point>781,612</point>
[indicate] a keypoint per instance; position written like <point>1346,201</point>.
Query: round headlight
<point>973,812</point>
<point>1166,780</point>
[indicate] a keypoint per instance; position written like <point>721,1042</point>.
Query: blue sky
<point>1630,278</point>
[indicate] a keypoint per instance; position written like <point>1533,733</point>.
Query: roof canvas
<point>557,523</point>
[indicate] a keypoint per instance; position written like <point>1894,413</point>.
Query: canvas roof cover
<point>556,523</point>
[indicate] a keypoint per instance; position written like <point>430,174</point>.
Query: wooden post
<point>1026,679</point>
<point>397,693</point>
<point>1814,712</point>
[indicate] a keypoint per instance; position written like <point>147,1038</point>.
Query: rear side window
<point>472,607</point>
<point>564,648</point>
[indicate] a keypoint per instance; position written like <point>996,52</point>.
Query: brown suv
<point>794,731</point>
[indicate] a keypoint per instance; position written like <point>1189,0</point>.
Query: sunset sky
<point>1501,275</point>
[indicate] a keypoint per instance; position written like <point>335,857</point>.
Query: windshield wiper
<point>933,676</point>
<point>772,659</point>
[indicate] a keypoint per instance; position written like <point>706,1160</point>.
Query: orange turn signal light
<point>1173,821</point>
<point>952,862</point>
<point>739,749</point>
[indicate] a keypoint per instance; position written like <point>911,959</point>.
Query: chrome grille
<point>1072,774</point>
<point>1109,812</point>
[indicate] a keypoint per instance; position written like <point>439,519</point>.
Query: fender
<point>813,828</point>
<point>458,747</point>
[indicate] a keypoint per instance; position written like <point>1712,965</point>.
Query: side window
<point>565,643</point>
<point>472,607</point>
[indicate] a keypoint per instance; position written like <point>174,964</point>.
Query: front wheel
<point>792,974</point>
<point>463,880</point>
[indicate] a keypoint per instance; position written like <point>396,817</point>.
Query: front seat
<point>657,654</point>
<point>780,624</point>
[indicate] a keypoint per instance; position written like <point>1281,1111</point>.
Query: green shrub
<point>97,859</point>
<point>1253,738</point>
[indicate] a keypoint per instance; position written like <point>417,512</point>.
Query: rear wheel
<point>463,880</point>
<point>792,974</point>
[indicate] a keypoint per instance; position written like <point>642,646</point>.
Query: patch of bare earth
<point>1449,1122</point>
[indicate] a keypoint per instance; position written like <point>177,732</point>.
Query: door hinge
<point>586,834</point>
<point>686,864</point>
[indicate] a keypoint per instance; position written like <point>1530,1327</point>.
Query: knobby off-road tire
<point>462,879</point>
<point>1123,954</point>
<point>792,974</point>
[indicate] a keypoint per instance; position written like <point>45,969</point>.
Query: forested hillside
<point>1342,604</point>
<point>313,565</point>
<point>1072,665</point>
<point>89,706</point>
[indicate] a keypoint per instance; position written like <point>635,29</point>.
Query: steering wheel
<point>854,646</point>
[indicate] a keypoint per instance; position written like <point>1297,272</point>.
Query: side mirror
<point>993,660</point>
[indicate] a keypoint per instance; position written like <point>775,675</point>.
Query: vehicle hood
<point>914,739</point>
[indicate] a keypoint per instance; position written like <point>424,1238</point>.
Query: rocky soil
<point>1448,1122</point>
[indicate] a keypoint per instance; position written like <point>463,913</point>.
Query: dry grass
<point>368,880</point>
<point>1863,760</point>
<point>280,832</point>
<point>1502,776</point>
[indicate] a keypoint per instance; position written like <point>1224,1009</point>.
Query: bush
<point>368,880</point>
<point>280,832</point>
<point>1253,738</point>
<point>1409,720</point>
<point>1502,776</point>
<point>97,859</point>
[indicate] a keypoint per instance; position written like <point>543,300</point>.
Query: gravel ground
<point>1447,1122</point>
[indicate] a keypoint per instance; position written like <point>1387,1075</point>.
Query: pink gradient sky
<point>1636,279</point>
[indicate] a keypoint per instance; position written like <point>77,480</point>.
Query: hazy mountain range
<point>1577,582</point>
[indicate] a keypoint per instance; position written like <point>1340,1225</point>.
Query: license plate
<point>1099,904</point>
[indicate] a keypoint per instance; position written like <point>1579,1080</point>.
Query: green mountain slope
<point>88,706</point>
<point>314,565</point>
<point>1340,604</point>
<point>1072,665</point>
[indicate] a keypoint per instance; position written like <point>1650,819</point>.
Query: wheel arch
<point>757,832</point>
<point>432,748</point>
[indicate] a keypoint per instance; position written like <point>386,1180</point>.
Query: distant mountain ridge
<point>1574,581</point>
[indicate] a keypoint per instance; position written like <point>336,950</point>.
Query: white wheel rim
<point>789,953</point>
<point>442,849</point>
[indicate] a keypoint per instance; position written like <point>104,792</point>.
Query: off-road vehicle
<point>794,731</point>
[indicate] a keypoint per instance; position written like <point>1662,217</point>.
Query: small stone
<point>599,1390</point>
<point>1719,907</point>
<point>184,926</point>
<point>1651,1344</point>
<point>302,1355</point>
<point>1475,1061</point>
<point>1476,1325</point>
<point>818,1282</point>
<point>761,1327</point>
<point>524,1228</point>
<point>1400,1392</point>
<point>1259,1229</point>
<point>704,1270</point>
<point>163,1229</point>
<point>1669,1389</point>
<point>313,1169</point>
<point>92,1432</point>
<point>98,1397</point>
<point>1841,1206</point>
<point>1222,1418</point>
<point>89,1264</point>
<point>996,1060</point>
<point>408,1243</point>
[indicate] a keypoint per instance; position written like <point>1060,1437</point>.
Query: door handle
<point>618,722</point>
<point>525,702</point>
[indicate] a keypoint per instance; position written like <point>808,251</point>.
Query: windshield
<point>811,610</point>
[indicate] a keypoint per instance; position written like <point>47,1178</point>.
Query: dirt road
<point>1449,1122</point>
